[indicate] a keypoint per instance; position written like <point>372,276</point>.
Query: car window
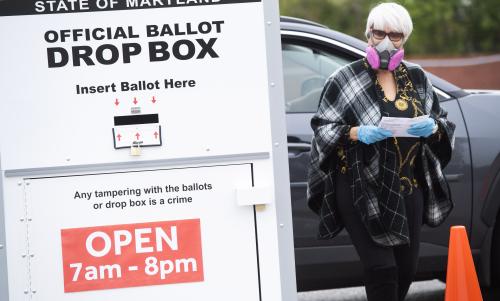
<point>305,71</point>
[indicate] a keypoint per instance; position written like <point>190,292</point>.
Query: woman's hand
<point>423,128</point>
<point>369,134</point>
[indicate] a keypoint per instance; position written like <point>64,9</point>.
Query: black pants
<point>389,271</point>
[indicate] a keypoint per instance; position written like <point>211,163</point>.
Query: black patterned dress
<point>406,104</point>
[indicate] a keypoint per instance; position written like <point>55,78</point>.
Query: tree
<point>441,27</point>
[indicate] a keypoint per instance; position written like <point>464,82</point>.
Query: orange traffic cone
<point>461,278</point>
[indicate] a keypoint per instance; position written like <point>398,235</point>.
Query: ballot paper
<point>398,126</point>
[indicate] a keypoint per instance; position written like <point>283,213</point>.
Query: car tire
<point>495,254</point>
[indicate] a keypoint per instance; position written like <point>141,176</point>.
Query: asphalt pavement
<point>432,290</point>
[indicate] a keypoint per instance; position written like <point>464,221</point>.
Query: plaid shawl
<point>349,99</point>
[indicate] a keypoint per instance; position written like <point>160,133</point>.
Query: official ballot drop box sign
<point>143,151</point>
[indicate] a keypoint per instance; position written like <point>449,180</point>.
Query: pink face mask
<point>386,60</point>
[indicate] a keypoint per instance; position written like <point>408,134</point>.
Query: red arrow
<point>119,137</point>
<point>137,135</point>
<point>156,135</point>
<point>135,101</point>
<point>153,100</point>
<point>117,102</point>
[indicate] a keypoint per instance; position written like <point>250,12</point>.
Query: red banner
<point>117,256</point>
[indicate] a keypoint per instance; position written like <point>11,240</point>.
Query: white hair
<point>392,16</point>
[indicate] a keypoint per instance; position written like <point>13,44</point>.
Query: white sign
<point>202,69</point>
<point>144,221</point>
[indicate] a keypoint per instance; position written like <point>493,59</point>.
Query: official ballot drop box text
<point>143,151</point>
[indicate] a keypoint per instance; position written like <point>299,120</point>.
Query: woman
<point>379,187</point>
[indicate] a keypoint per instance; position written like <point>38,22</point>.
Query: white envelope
<point>398,125</point>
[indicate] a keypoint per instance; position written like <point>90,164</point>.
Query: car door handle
<point>295,149</point>
<point>454,177</point>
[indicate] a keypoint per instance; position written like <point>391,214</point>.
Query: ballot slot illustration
<point>136,131</point>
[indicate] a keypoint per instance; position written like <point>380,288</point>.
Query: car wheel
<point>495,254</point>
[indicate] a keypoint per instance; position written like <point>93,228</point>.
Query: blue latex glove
<point>369,134</point>
<point>423,128</point>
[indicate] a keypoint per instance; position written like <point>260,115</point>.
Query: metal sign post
<point>143,151</point>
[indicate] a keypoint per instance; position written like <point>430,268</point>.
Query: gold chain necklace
<point>402,102</point>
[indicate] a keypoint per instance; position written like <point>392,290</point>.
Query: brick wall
<point>468,73</point>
